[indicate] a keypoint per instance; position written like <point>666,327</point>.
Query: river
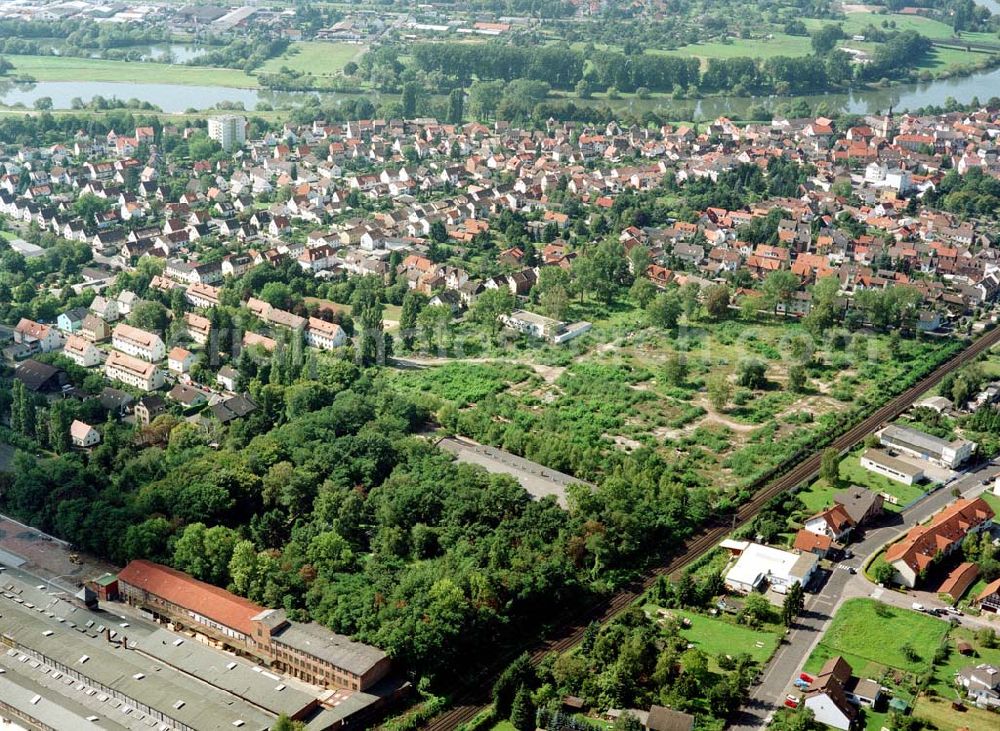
<point>177,98</point>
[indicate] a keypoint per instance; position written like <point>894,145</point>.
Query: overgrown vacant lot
<point>874,637</point>
<point>585,408</point>
<point>56,68</point>
<point>314,57</point>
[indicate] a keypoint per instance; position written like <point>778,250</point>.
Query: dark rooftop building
<point>233,408</point>
<point>41,377</point>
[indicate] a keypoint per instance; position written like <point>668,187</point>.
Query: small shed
<point>964,648</point>
<point>572,704</point>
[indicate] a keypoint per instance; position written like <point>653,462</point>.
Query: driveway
<point>776,680</point>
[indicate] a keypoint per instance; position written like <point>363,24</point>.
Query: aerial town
<point>476,416</point>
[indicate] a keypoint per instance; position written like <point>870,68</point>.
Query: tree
<point>665,310</point>
<point>675,370</point>
<point>720,390</point>
<point>825,39</point>
<point>829,465</point>
<point>43,103</point>
<point>801,719</point>
<point>882,572</point>
<point>756,610</point>
<point>642,292</point>
<point>515,677</point>
<point>490,305</point>
<point>522,712</point>
<point>752,373</point>
<point>717,301</point>
<point>797,378</point>
<point>89,205</point>
<point>150,316</point>
<point>778,288</point>
<point>793,604</point>
<point>413,303</point>
<point>284,723</point>
<point>456,105</point>
<point>367,313</point>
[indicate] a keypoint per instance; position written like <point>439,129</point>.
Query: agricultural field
<point>858,634</point>
<point>315,57</point>
<point>55,68</point>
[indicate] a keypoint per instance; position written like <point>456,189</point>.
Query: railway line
<point>474,697</point>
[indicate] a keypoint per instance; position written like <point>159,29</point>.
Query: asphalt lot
<point>538,480</point>
<point>776,679</point>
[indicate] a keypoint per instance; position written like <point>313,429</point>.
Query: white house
<point>324,335</point>
<point>104,308</point>
<point>179,360</point>
<point>36,336</point>
<point>138,343</point>
<point>83,435</point>
<point>82,352</point>
<point>133,372</point>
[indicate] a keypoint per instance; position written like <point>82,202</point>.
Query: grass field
<point>864,639</point>
<point>716,636</point>
<point>820,494</point>
<point>781,44</point>
<point>315,57</point>
<point>54,68</point>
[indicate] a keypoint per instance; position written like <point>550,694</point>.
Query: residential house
<point>148,408</point>
<point>38,338</point>
<point>179,360</point>
<point>660,718</point>
<point>94,329</point>
<point>138,343</point>
<point>82,352</point>
<point>71,320</point>
<point>988,600</point>
<point>83,435</point>
<point>833,522</point>
<point>198,328</point>
<point>324,335</point>
<point>981,683</point>
<point>941,536</point>
<point>133,372</point>
<point>104,308</point>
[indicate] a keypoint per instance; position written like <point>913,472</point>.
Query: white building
<point>878,175</point>
<point>38,337</point>
<point>83,435</point>
<point>759,566</point>
<point>947,454</point>
<point>324,335</point>
<point>229,130</point>
<point>138,343</point>
<point>539,326</point>
<point>180,360</point>
<point>877,461</point>
<point>82,352</point>
<point>133,372</point>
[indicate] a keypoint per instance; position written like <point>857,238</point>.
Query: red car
<point>792,701</point>
<point>805,677</point>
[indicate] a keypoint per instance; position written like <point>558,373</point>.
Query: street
<point>776,679</point>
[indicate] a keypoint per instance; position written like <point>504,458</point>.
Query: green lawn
<point>504,726</point>
<point>992,500</point>
<point>717,636</point>
<point>871,643</point>
<point>820,493</point>
<point>8,235</point>
<point>856,22</point>
<point>781,44</point>
<point>315,57</point>
<point>55,68</point>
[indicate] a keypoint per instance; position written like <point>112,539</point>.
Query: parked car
<point>806,677</point>
<point>917,607</point>
<point>800,683</point>
<point>792,701</point>
<point>954,612</point>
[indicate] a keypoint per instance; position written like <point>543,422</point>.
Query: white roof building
<point>759,565</point>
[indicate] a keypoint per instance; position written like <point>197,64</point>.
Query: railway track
<point>474,697</point>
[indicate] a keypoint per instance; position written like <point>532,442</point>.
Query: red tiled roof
<point>808,541</point>
<point>178,588</point>
<point>949,526</point>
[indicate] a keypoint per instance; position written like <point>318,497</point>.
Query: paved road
<point>776,679</point>
<point>537,479</point>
